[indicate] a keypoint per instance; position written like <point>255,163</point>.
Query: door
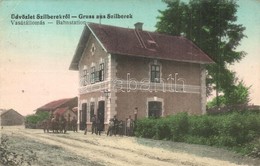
<point>83,118</point>
<point>101,113</point>
<point>92,110</point>
<point>154,109</point>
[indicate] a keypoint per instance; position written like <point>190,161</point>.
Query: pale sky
<point>34,59</point>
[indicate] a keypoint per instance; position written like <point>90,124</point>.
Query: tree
<point>237,95</point>
<point>211,25</point>
<point>32,120</point>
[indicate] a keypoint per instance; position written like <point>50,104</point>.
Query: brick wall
<point>173,102</point>
<point>139,69</point>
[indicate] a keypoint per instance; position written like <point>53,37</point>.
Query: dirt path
<point>116,151</point>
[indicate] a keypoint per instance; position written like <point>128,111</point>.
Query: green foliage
<point>205,126</point>
<point>32,120</point>
<point>254,149</point>
<point>238,94</point>
<point>237,130</point>
<point>163,129</point>
<point>180,126</point>
<point>146,128</point>
<point>235,95</point>
<point>212,26</point>
<point>213,102</point>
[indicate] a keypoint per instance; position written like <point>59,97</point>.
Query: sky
<point>35,59</point>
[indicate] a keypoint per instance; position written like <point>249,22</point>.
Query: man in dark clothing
<point>121,128</point>
<point>74,124</point>
<point>94,125</point>
<point>115,125</point>
<point>98,126</point>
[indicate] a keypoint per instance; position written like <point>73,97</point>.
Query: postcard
<point>115,82</point>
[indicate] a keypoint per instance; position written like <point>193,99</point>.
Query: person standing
<point>110,127</point>
<point>98,126</point>
<point>120,128</point>
<point>74,124</point>
<point>129,126</point>
<point>135,120</point>
<point>115,130</point>
<point>94,125</point>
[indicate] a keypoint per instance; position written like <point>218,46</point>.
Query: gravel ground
<point>79,149</point>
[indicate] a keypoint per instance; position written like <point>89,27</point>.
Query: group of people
<point>96,126</point>
<point>115,126</point>
<point>59,124</point>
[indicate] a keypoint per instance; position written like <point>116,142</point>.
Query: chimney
<point>139,26</point>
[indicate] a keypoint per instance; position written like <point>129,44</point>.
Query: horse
<point>63,125</point>
<point>55,125</point>
<point>74,125</point>
<point>46,124</point>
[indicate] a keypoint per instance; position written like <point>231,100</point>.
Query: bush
<point>237,130</point>
<point>253,149</point>
<point>205,126</point>
<point>145,128</point>
<point>163,129</point>
<point>241,127</point>
<point>180,126</point>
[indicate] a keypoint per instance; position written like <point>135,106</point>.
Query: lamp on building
<point>107,93</point>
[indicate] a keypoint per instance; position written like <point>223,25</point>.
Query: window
<point>97,76</point>
<point>93,49</point>
<point>101,72</point>
<point>92,79</point>
<point>155,73</point>
<point>155,109</point>
<point>85,77</point>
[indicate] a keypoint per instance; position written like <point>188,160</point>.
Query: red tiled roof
<point>125,41</point>
<point>55,104</point>
<point>60,111</point>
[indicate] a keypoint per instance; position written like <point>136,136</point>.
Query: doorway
<point>154,109</point>
<point>101,114</point>
<point>83,116</point>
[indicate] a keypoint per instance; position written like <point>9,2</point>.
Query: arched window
<point>93,49</point>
